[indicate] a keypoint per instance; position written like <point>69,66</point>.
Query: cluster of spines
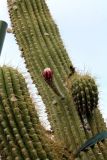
<point>42,47</point>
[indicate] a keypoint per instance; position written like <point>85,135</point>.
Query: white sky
<point>83,27</point>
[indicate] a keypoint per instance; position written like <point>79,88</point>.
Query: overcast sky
<point>83,27</point>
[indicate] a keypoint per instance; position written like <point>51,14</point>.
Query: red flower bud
<point>47,74</point>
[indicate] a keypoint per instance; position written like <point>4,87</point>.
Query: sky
<point>83,28</point>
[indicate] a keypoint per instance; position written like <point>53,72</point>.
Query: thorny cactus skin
<point>21,134</point>
<point>41,46</point>
<point>85,95</point>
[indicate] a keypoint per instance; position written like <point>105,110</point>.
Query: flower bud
<point>47,74</point>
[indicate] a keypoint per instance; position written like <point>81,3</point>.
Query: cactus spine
<point>41,46</point>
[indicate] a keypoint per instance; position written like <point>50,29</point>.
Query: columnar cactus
<point>21,135</point>
<point>39,40</point>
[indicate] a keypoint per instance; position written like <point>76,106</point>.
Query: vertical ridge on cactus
<point>41,46</point>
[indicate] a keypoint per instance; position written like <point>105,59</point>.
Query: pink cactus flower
<point>47,74</point>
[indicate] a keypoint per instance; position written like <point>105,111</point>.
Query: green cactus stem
<point>21,135</point>
<point>3,27</point>
<point>38,56</point>
<point>39,40</point>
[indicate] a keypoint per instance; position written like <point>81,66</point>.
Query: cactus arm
<point>34,122</point>
<point>7,114</point>
<point>3,27</point>
<point>37,66</point>
<point>29,39</point>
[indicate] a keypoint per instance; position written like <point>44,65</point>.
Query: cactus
<point>3,27</point>
<point>39,40</point>
<point>85,93</point>
<point>21,134</point>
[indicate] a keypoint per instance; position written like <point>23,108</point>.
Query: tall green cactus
<point>42,47</point>
<point>21,134</point>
